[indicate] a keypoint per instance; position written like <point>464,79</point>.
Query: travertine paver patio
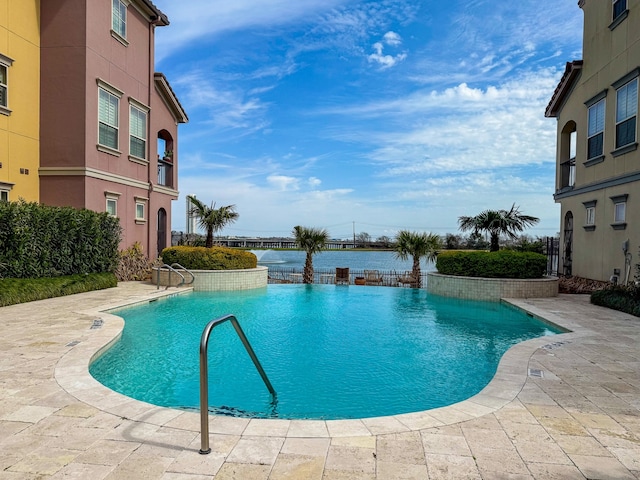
<point>580,419</point>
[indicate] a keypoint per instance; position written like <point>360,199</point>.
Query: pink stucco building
<point>109,122</point>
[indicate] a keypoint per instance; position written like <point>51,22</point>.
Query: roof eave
<point>569,77</point>
<point>169,97</point>
<point>155,14</point>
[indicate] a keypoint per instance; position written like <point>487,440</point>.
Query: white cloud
<point>314,182</point>
<point>392,38</point>
<point>283,182</point>
<point>227,107</point>
<point>200,18</point>
<point>387,61</point>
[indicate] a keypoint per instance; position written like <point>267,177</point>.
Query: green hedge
<point>618,298</point>
<point>42,241</point>
<point>501,264</point>
<point>20,290</point>
<point>216,258</point>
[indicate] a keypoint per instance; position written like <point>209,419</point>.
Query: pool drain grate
<point>551,346</point>
<point>97,323</point>
<point>536,373</point>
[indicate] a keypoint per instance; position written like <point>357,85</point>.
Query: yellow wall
<point>20,129</point>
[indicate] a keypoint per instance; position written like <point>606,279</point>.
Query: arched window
<point>568,137</point>
<point>165,158</point>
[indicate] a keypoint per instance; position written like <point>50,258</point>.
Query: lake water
<point>330,259</point>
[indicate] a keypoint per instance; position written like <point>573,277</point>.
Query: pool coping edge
<point>72,374</point>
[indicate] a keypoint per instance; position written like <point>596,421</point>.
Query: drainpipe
<point>154,20</point>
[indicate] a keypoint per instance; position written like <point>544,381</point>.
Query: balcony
<point>165,172</point>
<point>568,174</point>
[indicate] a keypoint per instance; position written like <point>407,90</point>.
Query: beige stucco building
<point>597,158</point>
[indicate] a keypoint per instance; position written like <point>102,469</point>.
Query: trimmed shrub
<point>501,264</point>
<point>215,258</point>
<point>42,241</point>
<point>21,290</point>
<point>618,298</point>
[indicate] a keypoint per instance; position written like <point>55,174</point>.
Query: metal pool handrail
<point>171,269</point>
<point>184,281</point>
<point>204,376</point>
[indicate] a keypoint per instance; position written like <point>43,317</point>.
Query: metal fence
<point>552,251</point>
<point>387,278</point>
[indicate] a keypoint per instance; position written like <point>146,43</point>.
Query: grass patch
<point>21,290</point>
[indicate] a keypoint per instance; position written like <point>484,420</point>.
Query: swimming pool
<point>331,352</point>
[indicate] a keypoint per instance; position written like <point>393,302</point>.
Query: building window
<point>5,63</point>
<point>4,195</point>
<point>619,7</point>
<point>112,207</point>
<point>590,219</point>
<point>119,18</point>
<point>591,216</point>
<point>108,107</point>
<point>137,132</point>
<point>595,134</point>
<point>626,111</point>
<point>141,206</point>
<point>3,86</point>
<point>619,212</point>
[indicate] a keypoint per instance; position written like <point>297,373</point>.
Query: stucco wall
<point>218,280</point>
<point>20,121</point>
<point>490,289</point>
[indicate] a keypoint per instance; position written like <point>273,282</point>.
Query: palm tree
<point>212,219</point>
<point>498,222</point>
<point>311,240</point>
<point>417,245</point>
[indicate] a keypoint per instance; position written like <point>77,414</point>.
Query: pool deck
<point>561,407</point>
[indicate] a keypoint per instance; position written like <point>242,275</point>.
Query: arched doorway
<point>568,243</point>
<point>162,230</point>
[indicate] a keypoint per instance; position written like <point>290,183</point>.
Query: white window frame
<point>591,216</point>
<point>140,211</point>
<point>4,195</point>
<point>138,108</point>
<point>114,203</point>
<point>630,110</point>
<point>112,198</point>
<point>106,91</point>
<point>119,20</point>
<point>5,64</point>
<point>595,126</point>
<point>620,211</point>
<point>141,204</point>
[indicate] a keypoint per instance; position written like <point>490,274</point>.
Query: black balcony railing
<point>165,173</point>
<point>568,173</point>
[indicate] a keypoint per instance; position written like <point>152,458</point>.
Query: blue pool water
<point>330,351</point>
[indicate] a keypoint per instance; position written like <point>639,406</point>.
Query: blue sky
<point>389,115</point>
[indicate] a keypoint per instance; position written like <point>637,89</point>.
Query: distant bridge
<point>264,243</point>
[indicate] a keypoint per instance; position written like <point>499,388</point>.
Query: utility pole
<point>354,234</point>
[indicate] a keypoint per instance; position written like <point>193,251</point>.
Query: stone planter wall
<point>490,289</point>
<point>217,280</point>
